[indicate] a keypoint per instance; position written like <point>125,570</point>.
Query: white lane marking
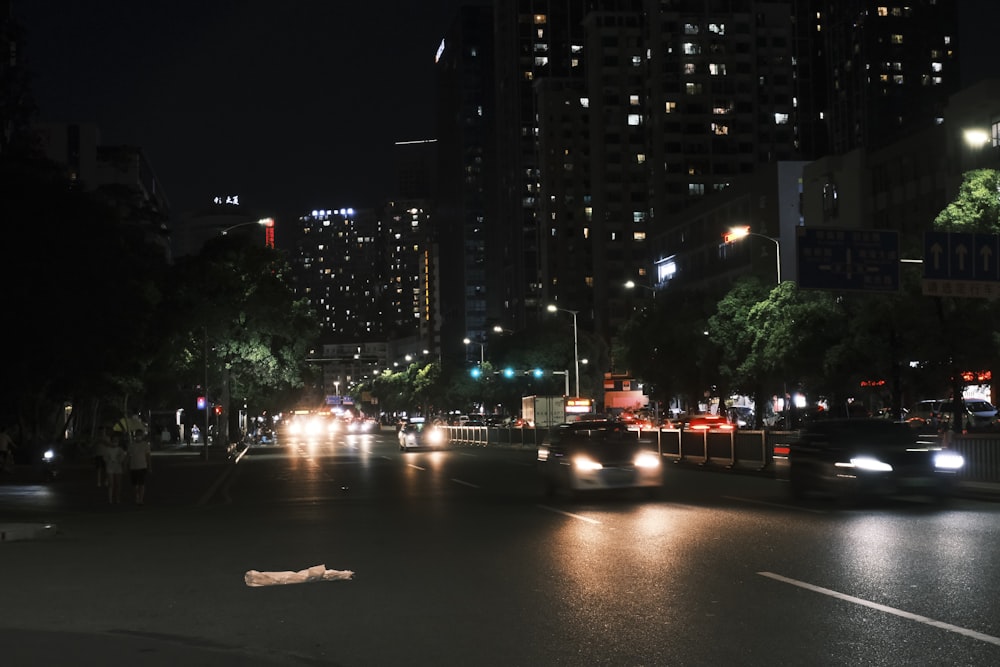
<point>414,465</point>
<point>458,481</point>
<point>889,610</point>
<point>781,505</point>
<point>569,514</point>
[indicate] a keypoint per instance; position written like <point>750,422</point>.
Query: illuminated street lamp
<point>737,233</point>
<point>576,347</point>
<point>482,349</point>
<point>264,222</point>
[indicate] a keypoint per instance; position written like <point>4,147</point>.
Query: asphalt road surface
<point>459,559</point>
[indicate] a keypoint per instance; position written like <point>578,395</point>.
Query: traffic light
<point>508,372</point>
<point>217,409</point>
<point>476,372</point>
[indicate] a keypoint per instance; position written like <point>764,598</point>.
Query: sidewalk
<point>14,531</point>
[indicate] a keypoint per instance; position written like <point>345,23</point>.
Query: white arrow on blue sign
<point>961,256</point>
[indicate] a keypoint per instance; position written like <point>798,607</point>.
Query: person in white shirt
<point>140,462</point>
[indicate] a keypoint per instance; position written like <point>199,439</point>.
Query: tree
<point>234,319</point>
<point>977,206</point>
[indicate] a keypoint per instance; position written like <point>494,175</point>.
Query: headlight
<point>867,463</point>
<point>586,463</point>
<point>647,460</point>
<point>948,461</point>
<point>434,436</point>
<point>49,454</point>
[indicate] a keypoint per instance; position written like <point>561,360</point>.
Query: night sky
<point>292,105</point>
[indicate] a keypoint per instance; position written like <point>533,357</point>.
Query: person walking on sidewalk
<point>100,443</point>
<point>114,465</point>
<point>140,462</point>
<point>6,451</point>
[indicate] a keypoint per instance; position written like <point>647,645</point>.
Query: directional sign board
<point>847,259</point>
<point>961,264</point>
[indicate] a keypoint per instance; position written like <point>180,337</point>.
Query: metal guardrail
<point>741,449</point>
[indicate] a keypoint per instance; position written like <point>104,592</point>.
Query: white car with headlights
<point>597,455</point>
<point>415,433</point>
<point>858,458</point>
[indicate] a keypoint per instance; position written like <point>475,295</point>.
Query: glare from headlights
<point>647,460</point>
<point>49,454</point>
<point>586,463</point>
<point>867,463</point>
<point>434,436</point>
<point>948,461</point>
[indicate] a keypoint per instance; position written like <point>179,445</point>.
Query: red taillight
<point>782,450</point>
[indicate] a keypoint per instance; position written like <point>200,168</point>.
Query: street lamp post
<point>631,284</point>
<point>264,222</point>
<point>482,349</point>
<point>576,346</point>
<point>737,233</point>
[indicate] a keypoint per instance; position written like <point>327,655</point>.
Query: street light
<point>576,346</point>
<point>264,222</point>
<point>482,349</point>
<point>737,233</point>
<point>631,284</point>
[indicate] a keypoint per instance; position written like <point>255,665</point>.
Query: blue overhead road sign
<point>961,264</point>
<point>848,259</point>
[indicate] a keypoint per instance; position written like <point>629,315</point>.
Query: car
<point>862,458</point>
<point>597,455</point>
<point>417,432</point>
<point>936,414</point>
<point>708,422</point>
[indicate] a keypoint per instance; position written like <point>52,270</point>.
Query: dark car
<point>596,455</point>
<point>858,458</point>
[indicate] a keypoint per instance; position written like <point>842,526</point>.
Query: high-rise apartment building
<point>892,67</point>
<point>465,138</point>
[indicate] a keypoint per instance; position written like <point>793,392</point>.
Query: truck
<point>543,411</point>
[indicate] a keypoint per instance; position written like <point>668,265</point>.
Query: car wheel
<point>797,483</point>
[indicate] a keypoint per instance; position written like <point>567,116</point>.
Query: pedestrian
<point>6,450</point>
<point>140,462</point>
<point>114,465</point>
<point>100,443</point>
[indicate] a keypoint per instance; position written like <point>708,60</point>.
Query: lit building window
<point>717,28</point>
<point>936,67</point>
<point>634,119</point>
<point>689,68</point>
<point>638,236</point>
<point>780,118</point>
<point>640,158</point>
<point>696,189</point>
<point>897,79</point>
<point>690,29</point>
<point>670,107</point>
<point>896,38</point>
<point>717,69</point>
<point>540,19</point>
<point>720,129</point>
<point>636,61</point>
<point>633,100</point>
<point>882,11</point>
<point>585,102</point>
<point>692,88</point>
<point>638,216</point>
<point>541,61</point>
<point>691,49</point>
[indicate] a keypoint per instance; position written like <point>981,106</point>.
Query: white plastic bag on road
<point>314,573</point>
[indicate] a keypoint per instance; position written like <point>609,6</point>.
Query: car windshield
<point>979,406</point>
<point>875,432</point>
